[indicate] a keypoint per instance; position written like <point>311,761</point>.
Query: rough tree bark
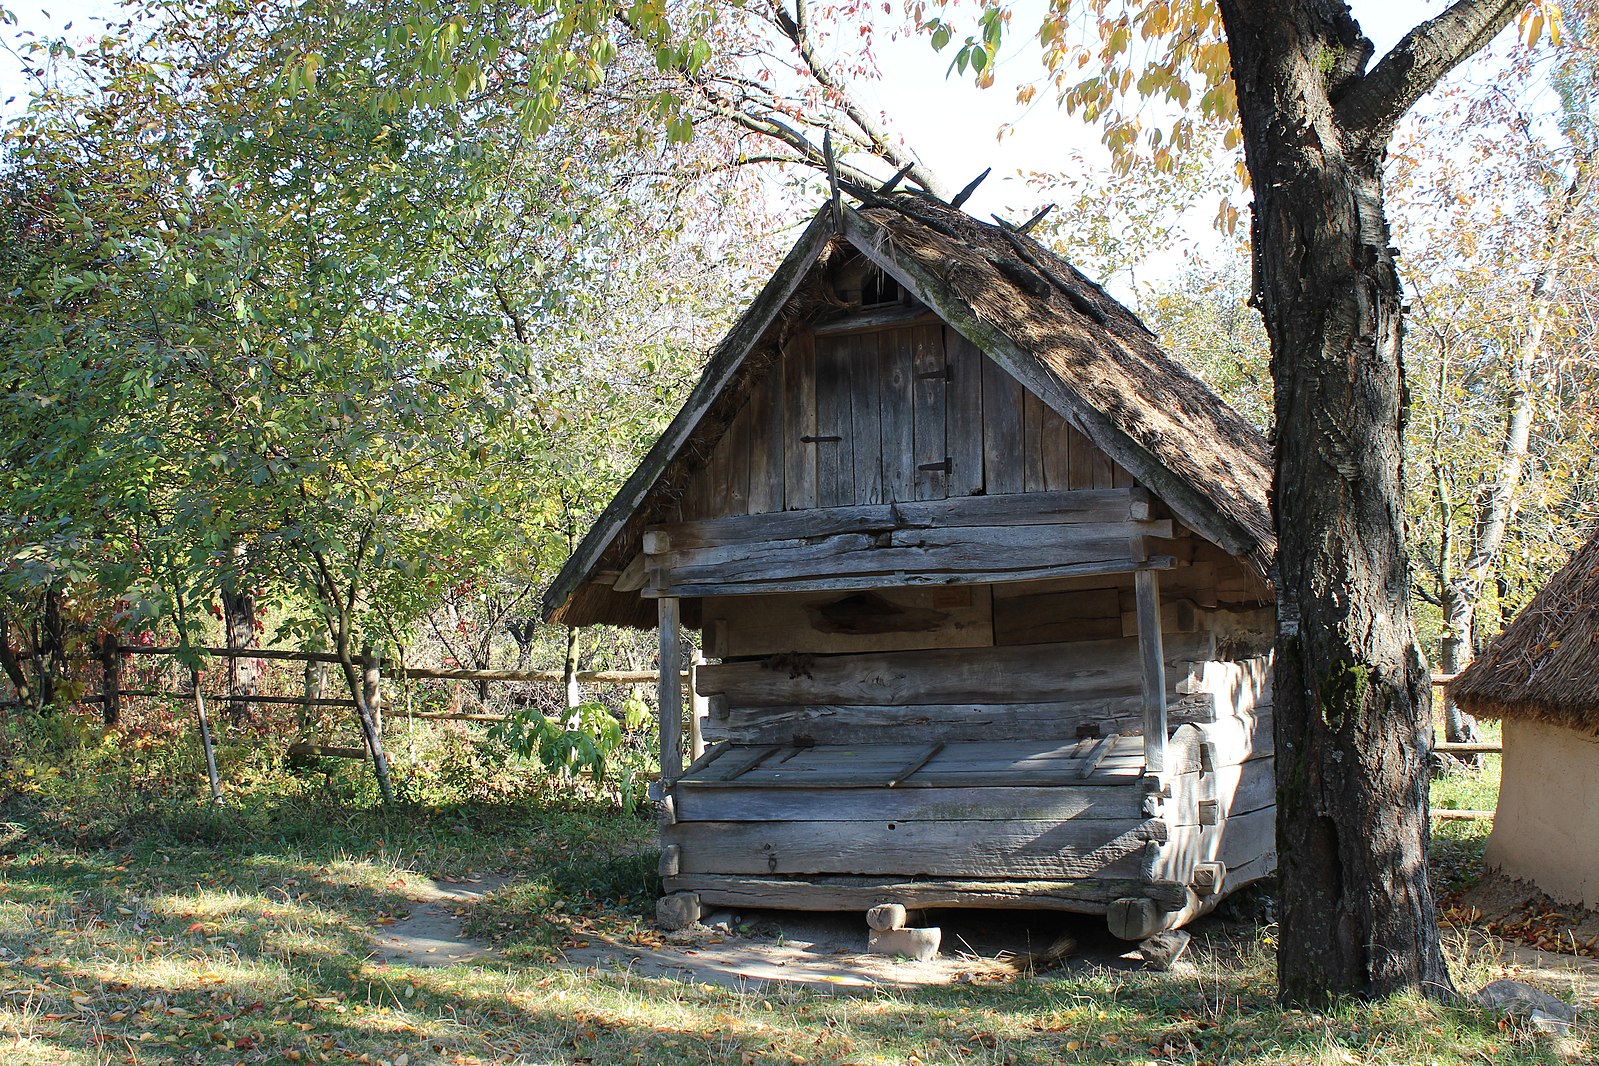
<point>238,623</point>
<point>1352,710</point>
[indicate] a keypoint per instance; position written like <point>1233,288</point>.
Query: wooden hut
<point>1541,678</point>
<point>983,573</point>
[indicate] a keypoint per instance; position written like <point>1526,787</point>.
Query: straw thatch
<point>1062,336</point>
<point>1545,665</point>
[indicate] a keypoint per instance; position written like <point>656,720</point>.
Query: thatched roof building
<point>1058,333</point>
<point>980,576</point>
<point>1541,676</point>
<point>1545,665</point>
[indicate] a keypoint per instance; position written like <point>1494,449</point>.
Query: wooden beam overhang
<point>925,284</point>
<point>963,540</point>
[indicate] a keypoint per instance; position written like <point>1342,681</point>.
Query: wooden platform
<point>1112,760</point>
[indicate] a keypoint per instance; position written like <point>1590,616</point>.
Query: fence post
<point>110,680</point>
<point>372,686</point>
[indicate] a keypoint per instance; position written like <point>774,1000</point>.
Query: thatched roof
<point>1545,665</point>
<point>1058,333</point>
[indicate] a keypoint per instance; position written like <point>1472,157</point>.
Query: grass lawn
<point>164,933</point>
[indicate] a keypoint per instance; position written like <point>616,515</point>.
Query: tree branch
<point>1374,103</point>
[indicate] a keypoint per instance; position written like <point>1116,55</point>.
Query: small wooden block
<point>1208,877</point>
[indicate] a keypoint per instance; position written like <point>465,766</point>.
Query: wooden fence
<point>373,669</point>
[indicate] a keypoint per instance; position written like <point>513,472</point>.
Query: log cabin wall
<point>915,412</point>
<point>906,412</point>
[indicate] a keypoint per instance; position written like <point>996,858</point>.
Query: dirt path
<point>431,934</point>
<point>828,950</point>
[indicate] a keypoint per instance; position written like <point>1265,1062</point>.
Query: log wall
<point>910,412</point>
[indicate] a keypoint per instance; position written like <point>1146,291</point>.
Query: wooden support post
<point>1152,655</point>
<point>698,707</point>
<point>205,736</point>
<point>669,692</point>
<point>110,680</point>
<point>372,686</point>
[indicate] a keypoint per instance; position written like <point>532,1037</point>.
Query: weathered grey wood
<point>1087,507</point>
<point>1152,661</point>
<point>1026,615</point>
<point>949,550</point>
<point>711,755</point>
<point>799,419</point>
<point>867,431</point>
<point>767,436</point>
<point>1104,471</point>
<point>733,462</point>
<point>837,622</point>
<point>1026,674</point>
<point>875,320</point>
<point>924,282</point>
<point>1087,896</point>
<point>1055,444</point>
<point>1080,464</point>
<point>940,849</point>
<point>669,690</point>
<point>964,415</point>
<point>896,406</point>
<point>917,763</point>
<point>1242,787</point>
<point>930,466</point>
<point>1002,430</point>
<point>979,803</point>
<point>905,579</point>
<point>717,493</point>
<point>1097,755</point>
<point>633,576</point>
<point>671,860</point>
<point>1033,479</point>
<point>835,425</point>
<point>922,723</point>
<point>730,769</point>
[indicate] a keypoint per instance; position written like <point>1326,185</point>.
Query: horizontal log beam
<point>177,694</point>
<point>895,544</point>
<point>1015,509</point>
<point>1468,749</point>
<point>237,653</point>
<point>1089,895</point>
<point>1444,814</point>
<point>903,579</point>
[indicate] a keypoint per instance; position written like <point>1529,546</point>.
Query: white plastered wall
<point>1547,824</point>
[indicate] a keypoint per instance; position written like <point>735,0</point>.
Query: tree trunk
<point>1352,718</point>
<point>244,675</point>
<point>1454,653</point>
<point>522,633</point>
<point>574,691</point>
